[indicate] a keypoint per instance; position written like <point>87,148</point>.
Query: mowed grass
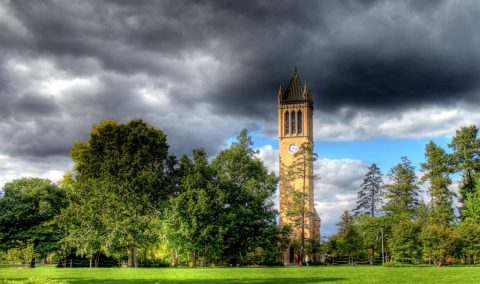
<point>330,274</point>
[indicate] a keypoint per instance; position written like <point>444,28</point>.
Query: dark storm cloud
<point>226,59</point>
<point>31,105</point>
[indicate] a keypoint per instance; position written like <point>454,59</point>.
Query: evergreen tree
<point>466,158</point>
<point>370,195</point>
<point>402,193</point>
<point>437,170</point>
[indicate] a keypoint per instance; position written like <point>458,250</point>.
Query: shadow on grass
<point>308,280</point>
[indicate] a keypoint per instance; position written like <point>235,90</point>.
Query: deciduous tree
<point>27,207</point>
<point>246,189</point>
<point>123,169</point>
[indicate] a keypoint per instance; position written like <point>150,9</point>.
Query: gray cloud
<point>203,70</point>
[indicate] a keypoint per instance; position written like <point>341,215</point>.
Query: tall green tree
<point>468,233</point>
<point>438,242</point>
<point>466,158</point>
<point>124,168</point>
<point>403,192</point>
<point>27,208</point>
<point>437,169</point>
<point>85,232</point>
<point>247,190</point>
<point>405,242</point>
<point>471,207</point>
<point>370,195</point>
<point>349,241</point>
<point>192,219</point>
<point>371,230</point>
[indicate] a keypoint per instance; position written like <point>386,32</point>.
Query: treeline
<point>392,222</point>
<point>128,199</point>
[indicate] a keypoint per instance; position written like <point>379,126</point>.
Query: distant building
<point>295,130</point>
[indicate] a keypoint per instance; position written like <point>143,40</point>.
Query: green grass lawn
<point>330,274</point>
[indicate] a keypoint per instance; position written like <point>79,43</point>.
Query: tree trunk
<point>97,260</point>
<point>91,261</point>
<point>372,258</point>
<point>174,258</point>
<point>132,256</point>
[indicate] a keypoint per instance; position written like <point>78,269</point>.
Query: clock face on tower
<point>293,148</point>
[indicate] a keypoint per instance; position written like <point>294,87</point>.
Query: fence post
<point>71,262</point>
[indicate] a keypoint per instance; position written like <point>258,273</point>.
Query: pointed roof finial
<point>296,69</point>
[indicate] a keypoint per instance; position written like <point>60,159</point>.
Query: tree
<point>27,207</point>
<point>402,193</point>
<point>370,194</point>
<point>246,190</point>
<point>84,228</point>
<point>471,207</point>
<point>438,242</point>
<point>469,240</point>
<point>437,170</point>
<point>122,170</point>
<point>405,241</point>
<point>466,157</point>
<point>192,219</point>
<point>300,210</point>
<point>370,230</point>
<point>348,239</point>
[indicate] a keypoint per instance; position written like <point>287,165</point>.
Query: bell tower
<point>295,137</point>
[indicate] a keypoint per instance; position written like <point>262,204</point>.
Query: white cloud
<point>432,121</point>
<point>335,191</point>
<point>269,156</point>
<point>15,168</point>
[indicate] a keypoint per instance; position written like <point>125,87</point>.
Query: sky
<point>386,77</point>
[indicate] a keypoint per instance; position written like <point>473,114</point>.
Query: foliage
<point>405,242</point>
<point>437,170</point>
<point>246,190</point>
<point>469,240</point>
<point>402,192</point>
<point>348,240</point>
<point>120,180</point>
<point>370,195</point>
<point>438,242</point>
<point>471,207</point>
<point>192,219</point>
<point>370,230</point>
<point>23,251</point>
<point>26,208</point>
<point>224,210</point>
<point>466,157</point>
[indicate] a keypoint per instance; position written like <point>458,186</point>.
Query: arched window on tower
<point>287,123</point>
<point>299,122</point>
<point>293,122</point>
